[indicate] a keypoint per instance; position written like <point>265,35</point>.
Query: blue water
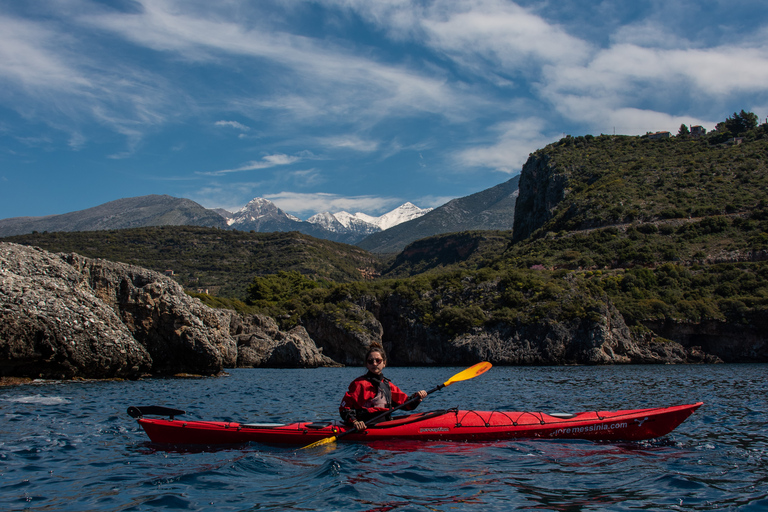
<point>71,446</point>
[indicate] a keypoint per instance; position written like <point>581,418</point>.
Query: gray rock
<point>180,333</point>
<point>52,325</point>
<point>290,350</point>
<point>604,338</point>
<point>542,188</point>
<point>65,316</point>
<point>346,336</point>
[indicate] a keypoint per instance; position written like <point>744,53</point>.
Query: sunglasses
<point>375,361</point>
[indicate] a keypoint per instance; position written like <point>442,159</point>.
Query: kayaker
<point>372,393</point>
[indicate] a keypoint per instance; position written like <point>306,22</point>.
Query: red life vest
<point>370,395</point>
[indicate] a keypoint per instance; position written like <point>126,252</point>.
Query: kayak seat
<point>319,424</point>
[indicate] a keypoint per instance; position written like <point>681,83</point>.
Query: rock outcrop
<point>542,188</point>
<point>604,338</point>
<point>66,316</point>
<point>734,343</point>
<point>52,325</point>
<point>346,341</point>
<point>261,343</point>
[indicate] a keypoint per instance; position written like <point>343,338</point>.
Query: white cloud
<point>35,56</point>
<point>492,62</point>
<point>430,201</point>
<point>230,196</point>
<point>50,75</point>
<point>515,141</point>
<point>502,32</point>
<point>77,141</point>
<point>331,79</point>
<point>352,142</point>
<point>609,91</point>
<point>254,165</point>
<point>309,204</point>
<point>233,124</point>
<point>647,70</point>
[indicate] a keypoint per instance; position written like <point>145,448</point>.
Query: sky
<point>354,105</point>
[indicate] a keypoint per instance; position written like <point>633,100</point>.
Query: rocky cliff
<point>65,316</point>
<point>542,188</point>
<point>603,338</point>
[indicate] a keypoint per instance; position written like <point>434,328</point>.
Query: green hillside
<point>223,262</point>
<point>672,230</point>
<point>617,180</point>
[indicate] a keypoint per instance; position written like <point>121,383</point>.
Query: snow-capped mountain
<point>263,215</point>
<point>366,224</point>
<point>403,213</point>
<point>388,233</point>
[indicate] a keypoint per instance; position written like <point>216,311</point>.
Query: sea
<point>71,446</point>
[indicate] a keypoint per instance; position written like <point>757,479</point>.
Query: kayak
<point>443,425</point>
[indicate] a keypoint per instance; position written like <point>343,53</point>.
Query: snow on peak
<point>345,218</point>
<point>359,220</point>
<point>258,204</point>
<point>259,209</point>
<point>326,220</point>
<point>403,213</point>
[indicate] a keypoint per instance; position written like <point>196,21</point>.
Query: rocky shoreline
<point>64,316</point>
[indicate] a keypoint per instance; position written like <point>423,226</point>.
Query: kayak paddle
<point>469,373</point>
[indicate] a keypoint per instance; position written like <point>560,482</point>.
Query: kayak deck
<point>446,425</point>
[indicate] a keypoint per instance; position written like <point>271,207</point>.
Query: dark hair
<point>376,347</point>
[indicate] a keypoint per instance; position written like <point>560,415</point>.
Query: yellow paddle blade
<point>469,373</point>
<point>322,442</point>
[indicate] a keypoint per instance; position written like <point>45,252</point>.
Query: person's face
<point>375,363</point>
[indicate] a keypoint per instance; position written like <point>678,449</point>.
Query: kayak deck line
<point>441,425</point>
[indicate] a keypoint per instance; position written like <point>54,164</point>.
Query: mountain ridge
<point>126,213</point>
<point>259,215</point>
<point>492,209</point>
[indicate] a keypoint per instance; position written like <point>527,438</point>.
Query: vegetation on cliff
<point>217,262</point>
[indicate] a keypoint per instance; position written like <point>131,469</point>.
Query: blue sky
<point>355,105</point>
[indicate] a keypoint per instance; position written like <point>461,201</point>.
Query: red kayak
<point>446,425</point>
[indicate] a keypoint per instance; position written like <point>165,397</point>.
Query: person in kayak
<point>372,393</point>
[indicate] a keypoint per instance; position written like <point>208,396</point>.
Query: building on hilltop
<point>698,131</point>
<point>659,135</point>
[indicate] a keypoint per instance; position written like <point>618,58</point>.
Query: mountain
<point>403,213</point>
<point>344,223</point>
<point>152,210</point>
<point>263,216</point>
<point>361,224</point>
<point>490,209</point>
